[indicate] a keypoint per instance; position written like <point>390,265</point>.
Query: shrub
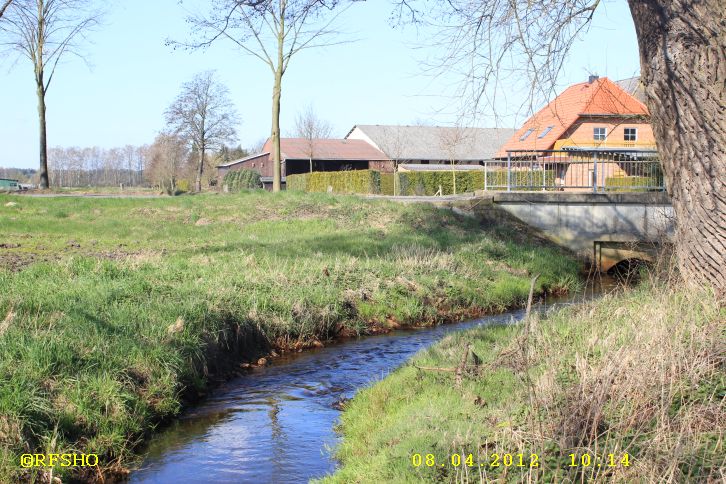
<point>298,182</point>
<point>387,184</point>
<point>428,182</point>
<point>354,181</point>
<point>242,180</point>
<point>627,183</point>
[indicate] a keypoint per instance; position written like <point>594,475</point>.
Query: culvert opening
<point>629,270</point>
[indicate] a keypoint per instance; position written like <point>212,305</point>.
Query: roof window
<point>526,133</point>
<point>545,132</point>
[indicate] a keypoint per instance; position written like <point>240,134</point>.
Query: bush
<point>242,180</point>
<point>354,181</point>
<point>627,183</point>
<point>298,182</point>
<point>387,184</point>
<point>428,182</point>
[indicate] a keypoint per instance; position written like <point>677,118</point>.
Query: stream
<point>276,424</point>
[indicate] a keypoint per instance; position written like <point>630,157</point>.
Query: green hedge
<point>297,182</point>
<point>414,182</point>
<point>353,181</point>
<point>387,184</point>
<point>626,183</point>
<point>242,180</point>
<point>428,182</point>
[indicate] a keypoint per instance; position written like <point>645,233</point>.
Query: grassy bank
<point>639,373</point>
<point>114,311</point>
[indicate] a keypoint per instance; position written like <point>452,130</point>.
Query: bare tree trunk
<point>276,157</point>
<point>683,60</point>
<point>44,182</point>
<point>200,168</point>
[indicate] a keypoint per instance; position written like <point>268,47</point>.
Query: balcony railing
<point>612,170</point>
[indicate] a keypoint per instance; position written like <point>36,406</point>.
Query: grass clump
<point>638,373</point>
<point>115,312</point>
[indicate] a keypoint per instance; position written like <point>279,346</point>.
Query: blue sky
<point>118,95</point>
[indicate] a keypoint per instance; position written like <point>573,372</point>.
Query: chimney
<point>592,79</point>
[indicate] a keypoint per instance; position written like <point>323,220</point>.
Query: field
<point>626,389</point>
<point>114,313</point>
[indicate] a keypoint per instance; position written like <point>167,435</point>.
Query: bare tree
<point>45,31</point>
<point>167,157</point>
<point>205,116</point>
<point>682,53</point>
<point>452,140</point>
<point>273,31</point>
<point>310,128</point>
<point>391,142</point>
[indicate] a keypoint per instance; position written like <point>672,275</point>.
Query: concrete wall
<point>578,220</point>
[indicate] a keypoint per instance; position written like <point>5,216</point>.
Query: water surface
<point>275,425</point>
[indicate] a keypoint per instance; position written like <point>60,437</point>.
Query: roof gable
<point>601,97</point>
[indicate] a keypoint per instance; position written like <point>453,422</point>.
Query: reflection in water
<point>276,424</point>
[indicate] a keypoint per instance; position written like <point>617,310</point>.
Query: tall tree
<point>310,127</point>
<point>45,31</point>
<point>273,31</point>
<point>204,115</point>
<point>683,66</point>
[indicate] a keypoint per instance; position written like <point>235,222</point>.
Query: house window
<point>545,132</point>
<point>599,134</point>
<point>631,134</point>
<point>526,133</point>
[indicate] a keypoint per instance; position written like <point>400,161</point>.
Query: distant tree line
<point>163,164</point>
<point>79,167</point>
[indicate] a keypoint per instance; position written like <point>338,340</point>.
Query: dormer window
<point>545,132</point>
<point>599,134</point>
<point>631,134</point>
<point>526,134</point>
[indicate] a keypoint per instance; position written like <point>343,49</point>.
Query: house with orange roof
<point>594,115</point>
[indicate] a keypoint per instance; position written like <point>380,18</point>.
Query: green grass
<point>114,312</point>
<point>637,373</point>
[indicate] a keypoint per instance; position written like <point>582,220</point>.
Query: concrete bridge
<point>606,228</point>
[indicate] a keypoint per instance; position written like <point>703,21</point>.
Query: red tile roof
<point>600,97</point>
<point>326,149</point>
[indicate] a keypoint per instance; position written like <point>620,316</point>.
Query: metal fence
<point>576,170</point>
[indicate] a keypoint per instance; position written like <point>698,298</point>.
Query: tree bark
<point>44,182</point>
<point>683,67</point>
<point>276,157</point>
<point>200,168</point>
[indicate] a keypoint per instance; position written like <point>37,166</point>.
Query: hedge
<point>297,182</point>
<point>626,183</point>
<point>414,182</point>
<point>428,182</point>
<point>353,181</point>
<point>387,184</point>
<point>242,180</point>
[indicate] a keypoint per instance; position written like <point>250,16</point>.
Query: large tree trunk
<point>44,182</point>
<point>276,157</point>
<point>683,64</point>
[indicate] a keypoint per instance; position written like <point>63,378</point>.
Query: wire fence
<point>576,170</point>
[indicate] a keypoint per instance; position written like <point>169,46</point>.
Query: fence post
<point>594,172</point>
<point>509,171</point>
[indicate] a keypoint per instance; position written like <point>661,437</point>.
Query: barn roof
<point>436,142</point>
<point>601,97</point>
<point>326,149</point>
